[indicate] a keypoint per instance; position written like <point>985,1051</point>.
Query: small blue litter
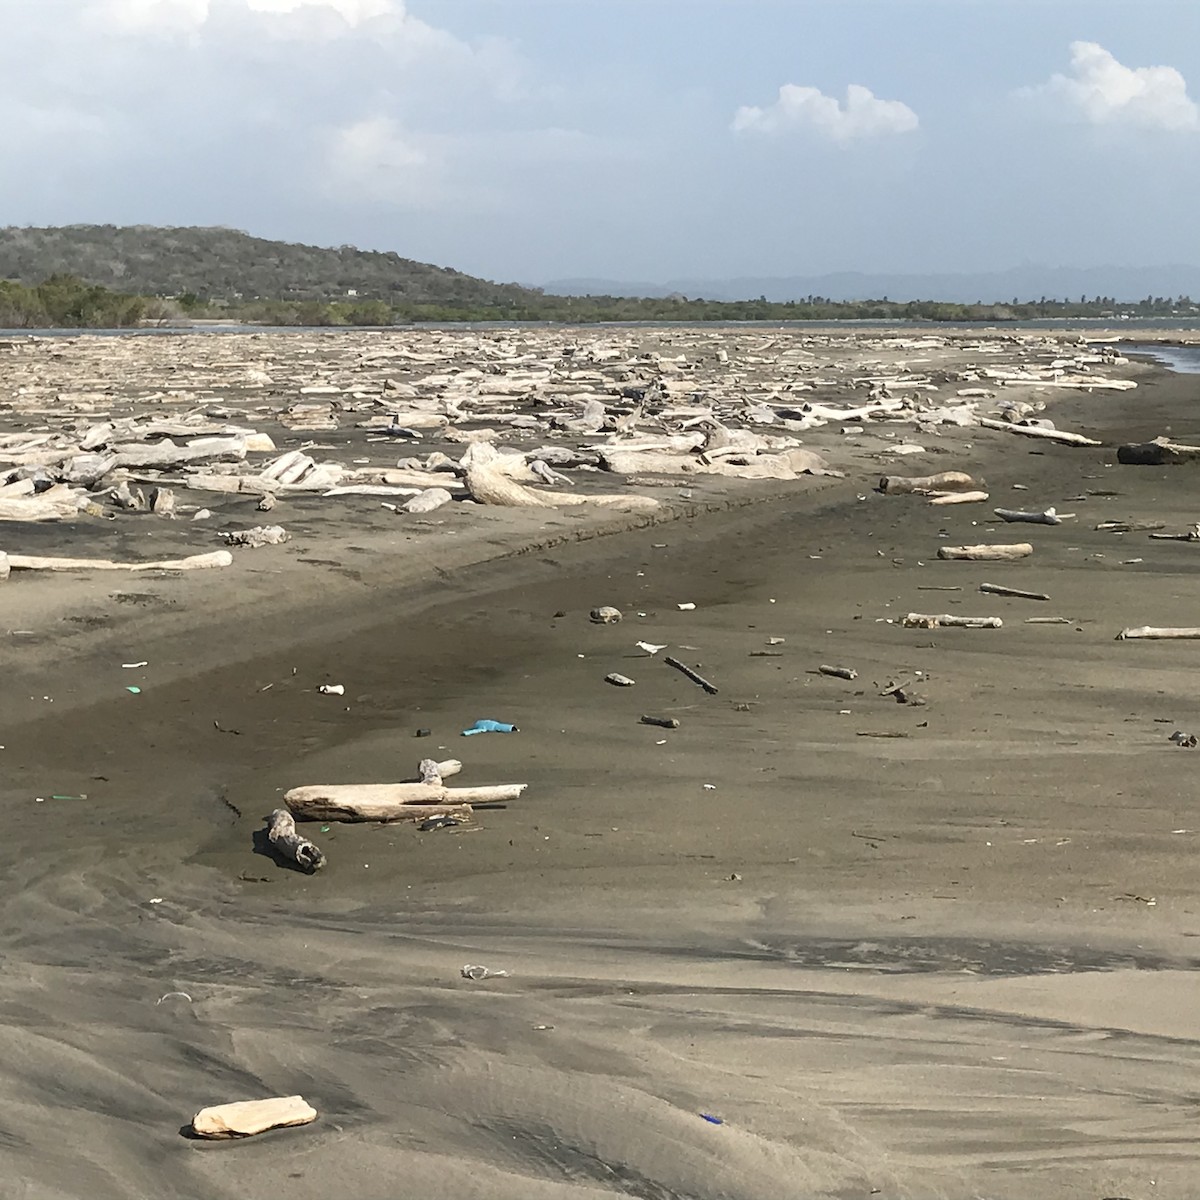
<point>711,1119</point>
<point>489,726</point>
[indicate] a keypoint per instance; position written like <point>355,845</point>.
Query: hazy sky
<point>630,139</point>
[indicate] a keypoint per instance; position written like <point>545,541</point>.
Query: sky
<point>645,140</point>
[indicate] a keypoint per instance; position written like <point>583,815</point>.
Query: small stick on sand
<point>692,675</point>
<point>997,589</point>
<point>661,722</point>
<point>281,833</point>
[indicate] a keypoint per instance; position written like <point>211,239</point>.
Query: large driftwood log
<point>54,504</point>
<point>1016,515</point>
<point>196,562</point>
<point>281,833</point>
<point>1038,431</point>
<point>944,481</point>
<point>946,620</point>
<point>245,1118</point>
<point>986,553</point>
<point>1150,632</point>
<point>391,801</point>
<point>487,485</point>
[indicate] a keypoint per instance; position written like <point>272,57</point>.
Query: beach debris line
<point>487,725</point>
<point>987,553</point>
<point>246,1118</point>
<point>282,835</point>
<point>949,621</point>
<point>710,688</point>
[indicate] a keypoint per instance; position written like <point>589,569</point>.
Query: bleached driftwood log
<point>996,589</point>
<point>943,481</point>
<point>54,504</point>
<point>986,553</point>
<point>196,562</point>
<point>1017,515</point>
<point>1038,431</point>
<point>391,801</point>
<point>940,499</point>
<point>488,485</point>
<point>245,1118</point>
<point>281,833</point>
<point>946,620</point>
<point>1150,632</point>
<point>4,566</point>
<point>168,454</point>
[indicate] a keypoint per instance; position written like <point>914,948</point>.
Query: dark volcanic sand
<point>957,963</point>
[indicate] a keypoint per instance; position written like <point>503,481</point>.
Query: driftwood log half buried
<point>1157,453</point>
<point>998,553</point>
<point>1037,431</point>
<point>947,621</point>
<point>1155,633</point>
<point>944,481</point>
<point>195,562</point>
<point>281,833</point>
<point>391,801</point>
<point>245,1118</point>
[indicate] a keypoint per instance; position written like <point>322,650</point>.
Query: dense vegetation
<point>104,276</point>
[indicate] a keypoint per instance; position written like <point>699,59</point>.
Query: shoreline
<point>931,1009</point>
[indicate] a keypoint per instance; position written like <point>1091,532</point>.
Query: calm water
<point>1183,359</point>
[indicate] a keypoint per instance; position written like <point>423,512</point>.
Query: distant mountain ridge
<point>1122,284</point>
<point>222,264</point>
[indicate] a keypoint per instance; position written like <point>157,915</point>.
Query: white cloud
<point>1103,91</point>
<point>191,15</point>
<point>374,160</point>
<point>862,114</point>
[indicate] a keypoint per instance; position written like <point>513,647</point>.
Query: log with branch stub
<point>1154,633</point>
<point>1038,431</point>
<point>946,620</point>
<point>944,481</point>
<point>394,801</point>
<point>998,553</point>
<point>281,833</point>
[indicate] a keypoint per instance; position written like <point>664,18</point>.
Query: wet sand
<point>957,962</point>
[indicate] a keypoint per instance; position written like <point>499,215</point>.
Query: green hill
<point>217,264</point>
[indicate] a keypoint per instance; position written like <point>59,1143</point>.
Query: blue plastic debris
<point>489,726</point>
<point>711,1119</point>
